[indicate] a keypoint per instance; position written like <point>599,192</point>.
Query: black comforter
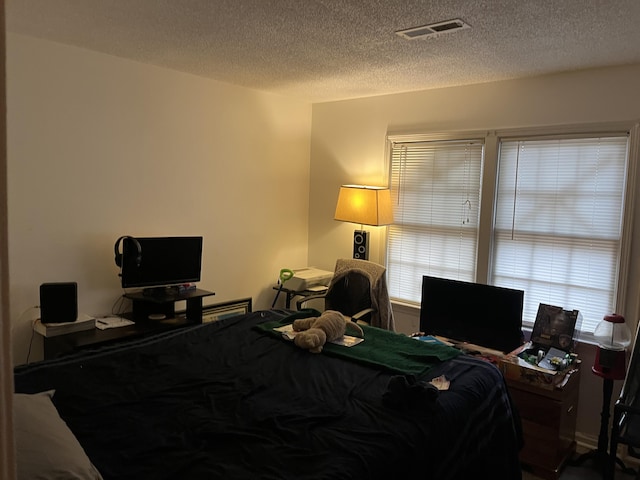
<point>225,400</point>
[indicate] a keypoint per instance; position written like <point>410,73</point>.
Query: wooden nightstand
<point>548,423</point>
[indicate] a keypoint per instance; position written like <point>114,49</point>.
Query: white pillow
<point>46,448</point>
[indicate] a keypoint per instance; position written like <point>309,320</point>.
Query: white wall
<point>100,147</point>
<point>348,146</point>
<point>7,443</point>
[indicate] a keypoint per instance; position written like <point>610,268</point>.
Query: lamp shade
<point>612,333</point>
<point>364,205</point>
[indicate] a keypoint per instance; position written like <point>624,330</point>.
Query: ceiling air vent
<point>433,30</point>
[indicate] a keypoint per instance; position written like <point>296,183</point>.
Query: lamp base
<point>599,460</point>
<point>610,363</point>
<point>361,244</point>
<point>600,457</point>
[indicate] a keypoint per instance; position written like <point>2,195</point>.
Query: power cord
<point>33,332</point>
<point>33,323</point>
<point>118,306</point>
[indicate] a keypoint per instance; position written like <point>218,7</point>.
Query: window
<point>554,228</point>
<point>436,188</point>
<point>558,222</point>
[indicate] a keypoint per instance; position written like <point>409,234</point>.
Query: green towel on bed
<point>381,348</point>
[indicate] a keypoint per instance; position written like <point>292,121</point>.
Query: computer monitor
<point>149,262</point>
<point>476,313</point>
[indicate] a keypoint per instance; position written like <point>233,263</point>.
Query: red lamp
<point>613,337</point>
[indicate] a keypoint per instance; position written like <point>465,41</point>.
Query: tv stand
<point>161,301</point>
<point>161,292</point>
<point>155,291</point>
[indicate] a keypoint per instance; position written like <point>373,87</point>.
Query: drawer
<point>544,411</point>
<point>548,425</point>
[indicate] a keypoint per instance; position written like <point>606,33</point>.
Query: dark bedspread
<point>226,401</point>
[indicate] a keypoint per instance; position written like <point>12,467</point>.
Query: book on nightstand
<point>83,322</point>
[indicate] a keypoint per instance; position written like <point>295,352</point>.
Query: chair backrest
<point>350,293</point>
<point>630,391</point>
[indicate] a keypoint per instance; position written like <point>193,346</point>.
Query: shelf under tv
<point>146,306</point>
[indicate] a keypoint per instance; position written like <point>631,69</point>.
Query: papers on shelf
<point>83,322</point>
<point>318,288</point>
<point>103,323</point>
<point>346,340</point>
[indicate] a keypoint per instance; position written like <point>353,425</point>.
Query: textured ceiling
<point>322,50</point>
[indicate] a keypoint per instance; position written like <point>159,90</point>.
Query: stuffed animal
<point>314,332</point>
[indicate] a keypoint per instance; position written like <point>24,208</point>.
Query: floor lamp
<point>367,206</point>
<point>613,337</point>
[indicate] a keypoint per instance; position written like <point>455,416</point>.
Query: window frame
<point>444,148</point>
<point>627,289</point>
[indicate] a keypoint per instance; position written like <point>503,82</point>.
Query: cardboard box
<point>552,337</point>
<point>515,366</point>
<point>555,327</point>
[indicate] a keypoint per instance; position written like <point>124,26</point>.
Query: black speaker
<point>361,245</point>
<point>58,302</point>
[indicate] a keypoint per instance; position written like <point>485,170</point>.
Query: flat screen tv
<point>484,315</point>
<point>154,262</point>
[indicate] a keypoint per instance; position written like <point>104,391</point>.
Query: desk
<point>290,294</point>
<point>143,307</point>
<point>71,342</point>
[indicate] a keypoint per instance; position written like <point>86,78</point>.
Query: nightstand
<point>548,423</point>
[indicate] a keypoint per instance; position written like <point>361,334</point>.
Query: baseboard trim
<point>585,443</point>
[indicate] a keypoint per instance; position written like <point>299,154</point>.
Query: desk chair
<point>358,289</point>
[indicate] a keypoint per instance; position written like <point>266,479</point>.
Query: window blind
<point>435,188</point>
<point>558,223</point>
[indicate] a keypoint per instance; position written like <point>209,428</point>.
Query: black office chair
<point>358,290</point>
<point>625,429</point>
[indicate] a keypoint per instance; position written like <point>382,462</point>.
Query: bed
<point>233,399</point>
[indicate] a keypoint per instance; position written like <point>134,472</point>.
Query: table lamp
<point>365,205</point>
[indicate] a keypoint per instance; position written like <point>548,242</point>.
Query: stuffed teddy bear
<point>314,332</point>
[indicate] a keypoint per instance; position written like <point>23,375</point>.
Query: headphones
<point>119,255</point>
